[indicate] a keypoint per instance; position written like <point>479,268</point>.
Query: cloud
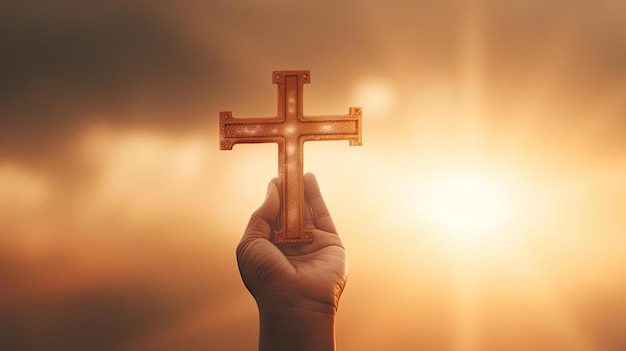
<point>118,213</point>
<point>67,65</point>
<point>173,66</point>
<point>128,250</point>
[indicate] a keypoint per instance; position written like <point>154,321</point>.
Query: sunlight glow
<point>466,204</point>
<point>375,97</point>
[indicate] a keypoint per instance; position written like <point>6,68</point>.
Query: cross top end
<point>279,76</point>
<point>290,129</point>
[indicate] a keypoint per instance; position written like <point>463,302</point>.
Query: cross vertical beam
<point>290,129</point>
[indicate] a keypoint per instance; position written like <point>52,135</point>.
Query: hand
<point>296,287</point>
<point>310,277</point>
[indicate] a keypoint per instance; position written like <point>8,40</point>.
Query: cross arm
<point>247,130</point>
<point>338,127</point>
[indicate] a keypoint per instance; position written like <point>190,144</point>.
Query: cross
<point>290,129</point>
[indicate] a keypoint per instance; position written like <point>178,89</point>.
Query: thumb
<point>262,219</point>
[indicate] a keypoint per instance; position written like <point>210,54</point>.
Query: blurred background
<point>486,209</point>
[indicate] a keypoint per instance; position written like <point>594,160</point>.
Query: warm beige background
<point>119,216</point>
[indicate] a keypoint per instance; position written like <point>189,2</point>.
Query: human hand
<point>297,288</point>
<point>308,278</point>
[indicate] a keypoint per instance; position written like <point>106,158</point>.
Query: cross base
<point>280,237</point>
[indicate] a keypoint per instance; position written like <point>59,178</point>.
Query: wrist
<point>286,301</point>
<point>296,328</point>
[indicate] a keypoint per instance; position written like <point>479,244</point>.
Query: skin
<point>296,287</point>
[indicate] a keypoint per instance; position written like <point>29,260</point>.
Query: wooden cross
<point>290,129</point>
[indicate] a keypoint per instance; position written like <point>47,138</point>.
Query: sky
<point>486,209</point>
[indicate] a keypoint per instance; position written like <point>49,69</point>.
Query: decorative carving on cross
<point>290,129</point>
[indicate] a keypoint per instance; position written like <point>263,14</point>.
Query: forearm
<point>290,328</point>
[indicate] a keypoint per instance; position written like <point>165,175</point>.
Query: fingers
<point>308,214</point>
<point>316,212</point>
<point>262,219</point>
<point>321,216</point>
<point>255,253</point>
<point>270,208</point>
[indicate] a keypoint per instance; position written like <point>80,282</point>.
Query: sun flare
<point>466,204</point>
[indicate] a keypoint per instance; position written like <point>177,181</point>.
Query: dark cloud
<point>159,65</point>
<point>62,66</point>
<point>101,56</point>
